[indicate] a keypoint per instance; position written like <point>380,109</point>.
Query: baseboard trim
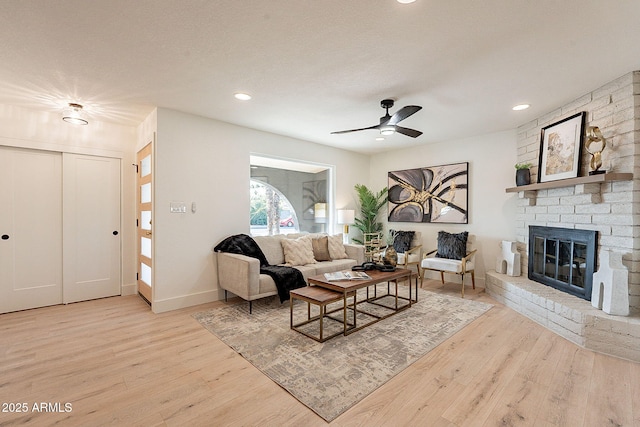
<point>184,301</point>
<point>129,289</point>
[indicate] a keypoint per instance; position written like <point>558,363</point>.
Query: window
<point>289,197</point>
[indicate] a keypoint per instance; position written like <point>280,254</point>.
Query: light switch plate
<point>178,207</point>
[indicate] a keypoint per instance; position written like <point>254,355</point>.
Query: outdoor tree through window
<point>271,213</point>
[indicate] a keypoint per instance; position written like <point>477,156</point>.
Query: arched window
<point>271,211</point>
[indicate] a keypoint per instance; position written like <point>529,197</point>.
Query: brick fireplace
<point>609,207</point>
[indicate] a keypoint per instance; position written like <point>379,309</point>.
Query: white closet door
<point>30,229</point>
<point>91,218</point>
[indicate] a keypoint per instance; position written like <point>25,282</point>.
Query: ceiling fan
<point>389,124</point>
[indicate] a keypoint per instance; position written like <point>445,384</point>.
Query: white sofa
<point>240,274</point>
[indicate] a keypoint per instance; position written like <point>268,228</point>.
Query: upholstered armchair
<point>412,255</point>
<point>454,255</point>
<point>408,246</point>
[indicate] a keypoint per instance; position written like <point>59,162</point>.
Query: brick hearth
<point>568,316</point>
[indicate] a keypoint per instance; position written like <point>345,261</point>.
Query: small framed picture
<point>561,149</point>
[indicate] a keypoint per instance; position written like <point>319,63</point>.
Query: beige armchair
<point>454,255</point>
<point>410,257</point>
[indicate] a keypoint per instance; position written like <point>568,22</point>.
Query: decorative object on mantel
<point>610,291</point>
<point>523,174</point>
<point>561,149</point>
<point>429,194</point>
<point>508,261</point>
<point>594,135</point>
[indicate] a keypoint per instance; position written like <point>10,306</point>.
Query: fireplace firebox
<point>563,258</point>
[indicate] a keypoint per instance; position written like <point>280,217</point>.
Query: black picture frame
<point>561,149</point>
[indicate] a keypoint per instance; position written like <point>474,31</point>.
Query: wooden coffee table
<point>350,287</point>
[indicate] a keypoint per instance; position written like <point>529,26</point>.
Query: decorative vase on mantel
<point>523,174</point>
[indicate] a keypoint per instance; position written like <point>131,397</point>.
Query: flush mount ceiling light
<point>74,114</point>
<point>521,107</point>
<point>406,1</point>
<point>242,96</point>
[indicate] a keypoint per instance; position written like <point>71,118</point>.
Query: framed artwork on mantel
<point>561,149</point>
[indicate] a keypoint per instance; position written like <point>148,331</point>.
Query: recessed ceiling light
<point>242,96</point>
<point>520,107</point>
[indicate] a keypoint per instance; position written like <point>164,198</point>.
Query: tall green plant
<point>370,205</point>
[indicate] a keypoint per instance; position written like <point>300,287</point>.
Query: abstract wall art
<point>431,194</point>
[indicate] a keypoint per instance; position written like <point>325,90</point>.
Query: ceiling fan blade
<point>403,113</point>
<point>409,132</point>
<point>355,130</point>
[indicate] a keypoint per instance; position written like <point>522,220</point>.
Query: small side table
<point>317,296</point>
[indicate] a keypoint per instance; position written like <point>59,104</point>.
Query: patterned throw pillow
<point>321,248</point>
<point>452,246</point>
<point>336,247</point>
<point>402,240</point>
<point>298,251</point>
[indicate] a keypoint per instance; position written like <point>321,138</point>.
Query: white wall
<point>492,212</point>
<point>207,162</point>
<point>25,128</point>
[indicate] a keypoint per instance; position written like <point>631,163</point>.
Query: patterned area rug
<point>331,377</point>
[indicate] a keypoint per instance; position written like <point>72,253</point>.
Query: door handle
<point>148,233</point>
<point>5,237</point>
<point>115,233</point>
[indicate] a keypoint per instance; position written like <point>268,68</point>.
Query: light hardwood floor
<point>117,363</point>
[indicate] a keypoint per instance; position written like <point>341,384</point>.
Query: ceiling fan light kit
<point>389,124</point>
<point>387,130</point>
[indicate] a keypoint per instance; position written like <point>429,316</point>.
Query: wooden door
<point>91,218</point>
<point>30,229</point>
<point>144,214</point>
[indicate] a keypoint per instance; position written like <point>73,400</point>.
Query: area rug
<point>331,377</point>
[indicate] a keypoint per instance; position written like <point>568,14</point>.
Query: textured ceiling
<point>316,66</point>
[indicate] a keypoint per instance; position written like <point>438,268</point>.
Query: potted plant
<point>523,174</point>
<point>370,205</point>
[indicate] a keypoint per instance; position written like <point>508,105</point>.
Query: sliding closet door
<point>91,218</point>
<point>30,229</point>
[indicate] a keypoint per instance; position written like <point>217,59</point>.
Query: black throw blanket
<point>285,278</point>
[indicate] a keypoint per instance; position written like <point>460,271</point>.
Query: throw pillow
<point>336,247</point>
<point>298,251</point>
<point>321,248</point>
<point>452,246</point>
<point>402,240</point>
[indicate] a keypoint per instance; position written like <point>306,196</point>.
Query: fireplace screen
<point>563,258</point>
